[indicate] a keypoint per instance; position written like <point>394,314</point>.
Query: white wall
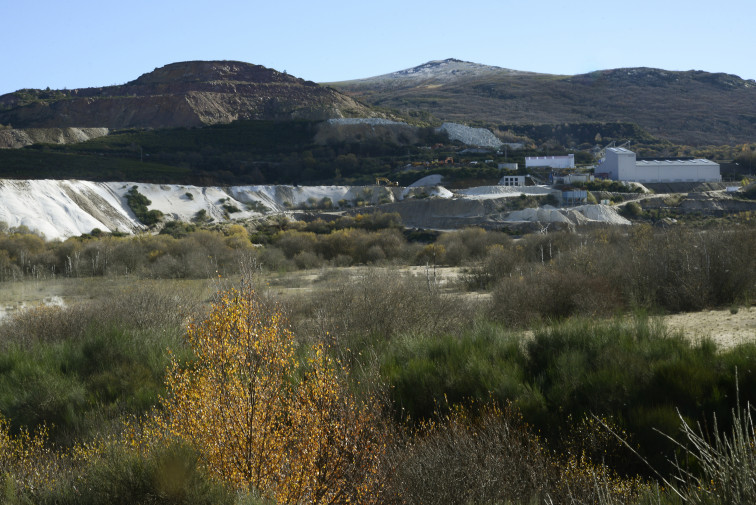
<point>620,165</point>
<point>512,180</point>
<point>675,171</point>
<point>551,161</point>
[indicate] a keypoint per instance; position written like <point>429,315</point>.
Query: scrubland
<point>354,362</point>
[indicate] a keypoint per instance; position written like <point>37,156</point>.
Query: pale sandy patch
<point>723,327</point>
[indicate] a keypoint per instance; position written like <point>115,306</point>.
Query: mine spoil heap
<point>185,94</point>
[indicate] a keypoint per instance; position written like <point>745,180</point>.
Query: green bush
<point>631,210</point>
<point>172,474</point>
<point>79,368</point>
<point>138,204</point>
<point>428,373</point>
<point>634,372</point>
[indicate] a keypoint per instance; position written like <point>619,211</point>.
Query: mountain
<point>435,72</point>
<point>192,93</point>
<point>691,107</point>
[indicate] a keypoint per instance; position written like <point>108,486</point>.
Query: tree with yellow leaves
<point>265,421</point>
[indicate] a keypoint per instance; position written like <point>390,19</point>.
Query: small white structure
<point>620,164</point>
<point>512,180</point>
<point>550,161</point>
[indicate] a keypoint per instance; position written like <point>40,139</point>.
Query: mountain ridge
<point>687,107</point>
<point>187,94</point>
<point>440,70</point>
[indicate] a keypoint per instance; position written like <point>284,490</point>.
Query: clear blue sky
<point>81,43</point>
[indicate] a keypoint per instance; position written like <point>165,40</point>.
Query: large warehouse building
<point>620,164</point>
<point>550,161</point>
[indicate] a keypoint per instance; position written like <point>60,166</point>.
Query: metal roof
<point>619,150</point>
<point>676,163</point>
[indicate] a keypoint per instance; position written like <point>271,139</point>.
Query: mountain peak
<point>446,69</point>
<point>437,71</point>
<point>213,71</point>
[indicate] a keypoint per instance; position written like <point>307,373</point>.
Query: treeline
<point>537,277</point>
<point>243,152</point>
<point>585,135</point>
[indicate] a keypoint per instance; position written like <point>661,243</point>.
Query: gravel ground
<point>471,136</point>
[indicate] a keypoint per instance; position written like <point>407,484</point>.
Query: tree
<point>261,419</point>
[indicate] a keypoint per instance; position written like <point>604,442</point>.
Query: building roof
<point>676,163</point>
<point>619,150</point>
<point>549,157</point>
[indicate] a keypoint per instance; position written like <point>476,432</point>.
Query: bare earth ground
<point>723,327</point>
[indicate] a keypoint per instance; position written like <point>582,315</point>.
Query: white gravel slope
<point>61,209</point>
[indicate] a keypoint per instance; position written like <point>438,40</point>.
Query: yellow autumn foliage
<point>264,419</point>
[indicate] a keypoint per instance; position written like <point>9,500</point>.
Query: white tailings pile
<point>583,214</point>
<point>470,136</point>
<point>61,209</point>
<point>489,192</point>
<point>428,180</point>
<point>602,213</point>
<point>429,185</point>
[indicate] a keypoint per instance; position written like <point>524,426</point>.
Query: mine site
<point>455,283</point>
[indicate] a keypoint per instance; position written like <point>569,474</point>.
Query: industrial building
<point>550,161</point>
<point>512,180</point>
<point>620,164</point>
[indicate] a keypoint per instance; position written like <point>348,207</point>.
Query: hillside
<point>63,208</point>
<point>691,107</point>
<point>185,94</point>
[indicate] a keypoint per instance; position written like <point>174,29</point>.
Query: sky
<point>82,43</point>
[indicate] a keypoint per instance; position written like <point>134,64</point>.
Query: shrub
<point>550,294</point>
<point>631,210</point>
<point>230,208</point>
<point>727,462</point>
<point>428,373</point>
<point>117,474</point>
<point>78,368</point>
<point>373,307</point>
<point>201,216</point>
<point>293,242</point>
<point>263,421</point>
<point>492,456</point>
<point>138,204</point>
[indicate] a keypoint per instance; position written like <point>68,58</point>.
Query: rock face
<point>14,139</point>
<point>183,94</point>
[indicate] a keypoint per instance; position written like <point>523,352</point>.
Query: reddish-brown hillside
<point>190,93</point>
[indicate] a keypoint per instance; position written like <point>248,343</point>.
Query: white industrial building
<point>512,180</point>
<point>619,164</point>
<point>550,161</point>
